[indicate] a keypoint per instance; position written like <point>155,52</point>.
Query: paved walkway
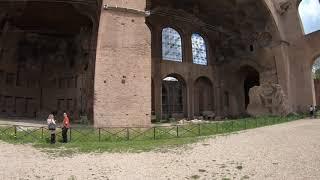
<point>22,122</point>
<point>287,152</point>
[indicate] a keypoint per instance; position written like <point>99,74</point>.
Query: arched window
<point>309,11</point>
<point>199,50</point>
<point>171,45</point>
<point>316,80</point>
<point>316,69</point>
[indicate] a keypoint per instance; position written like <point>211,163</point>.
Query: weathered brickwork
<point>123,67</point>
<point>104,59</point>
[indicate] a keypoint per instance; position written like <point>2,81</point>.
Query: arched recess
<point>277,33</point>
<point>203,96</point>
<point>174,97</point>
<point>54,63</point>
<point>250,77</point>
<point>309,13</point>
<point>171,45</point>
<point>316,80</point>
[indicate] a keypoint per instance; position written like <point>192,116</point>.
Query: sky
<point>310,15</point>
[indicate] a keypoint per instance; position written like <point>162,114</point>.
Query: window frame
<point>182,44</point>
<point>206,44</point>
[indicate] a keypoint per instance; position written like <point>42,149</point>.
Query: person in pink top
<point>52,128</point>
<point>65,127</point>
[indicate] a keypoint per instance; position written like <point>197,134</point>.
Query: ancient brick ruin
<point>124,62</point>
<point>46,59</point>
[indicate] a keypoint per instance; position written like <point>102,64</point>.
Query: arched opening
<point>47,59</point>
<point>309,11</point>
<point>171,45</point>
<point>247,28</point>
<point>203,96</point>
<point>251,78</point>
<point>316,79</point>
<point>174,97</point>
<point>199,49</point>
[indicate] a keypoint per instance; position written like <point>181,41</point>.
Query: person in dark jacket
<point>311,111</point>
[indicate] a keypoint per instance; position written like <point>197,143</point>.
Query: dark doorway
<point>251,79</point>
<point>173,97</point>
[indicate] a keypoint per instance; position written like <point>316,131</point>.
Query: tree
<point>316,69</point>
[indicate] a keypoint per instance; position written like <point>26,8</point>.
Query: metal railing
<point>32,134</point>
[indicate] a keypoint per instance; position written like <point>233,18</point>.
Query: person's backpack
<point>52,126</point>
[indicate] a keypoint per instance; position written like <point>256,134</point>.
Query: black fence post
<point>177,131</point>
<point>199,129</point>
<point>232,126</point>
<point>256,122</point>
<point>99,134</point>
<point>217,127</point>
<point>128,134</point>
<point>15,132</point>
<point>70,134</point>
<point>41,132</point>
<point>154,133</point>
<point>245,124</point>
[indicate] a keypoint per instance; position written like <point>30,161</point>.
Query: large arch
<point>229,38</point>
<point>174,97</point>
<point>203,96</point>
<point>309,15</point>
<point>48,61</point>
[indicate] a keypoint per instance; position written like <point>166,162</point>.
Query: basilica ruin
<point>125,62</point>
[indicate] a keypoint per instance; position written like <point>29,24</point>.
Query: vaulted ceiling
<point>246,21</point>
<point>231,14</point>
<point>50,16</point>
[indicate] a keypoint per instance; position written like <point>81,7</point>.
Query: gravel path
<point>286,151</point>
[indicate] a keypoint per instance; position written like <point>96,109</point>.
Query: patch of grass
<point>245,177</point>
<point>87,139</point>
<point>115,147</point>
<point>72,178</point>
<point>195,177</point>
<point>239,167</point>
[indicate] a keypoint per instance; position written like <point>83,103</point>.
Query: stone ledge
<point>126,10</point>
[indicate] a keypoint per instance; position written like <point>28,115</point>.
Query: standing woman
<point>311,111</point>
<point>52,128</point>
<point>65,127</point>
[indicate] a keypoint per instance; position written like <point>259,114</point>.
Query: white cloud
<point>310,15</point>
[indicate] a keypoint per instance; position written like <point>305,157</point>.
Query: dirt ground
<point>286,151</point>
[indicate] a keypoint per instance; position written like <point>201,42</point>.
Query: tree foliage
<point>316,69</point>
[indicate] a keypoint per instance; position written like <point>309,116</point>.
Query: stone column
<point>190,98</point>
<point>123,66</point>
<point>188,58</point>
<point>283,68</point>
<point>217,91</point>
<point>158,97</point>
<point>156,58</point>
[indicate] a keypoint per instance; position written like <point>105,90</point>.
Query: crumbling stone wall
<point>268,99</point>
<point>43,72</point>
